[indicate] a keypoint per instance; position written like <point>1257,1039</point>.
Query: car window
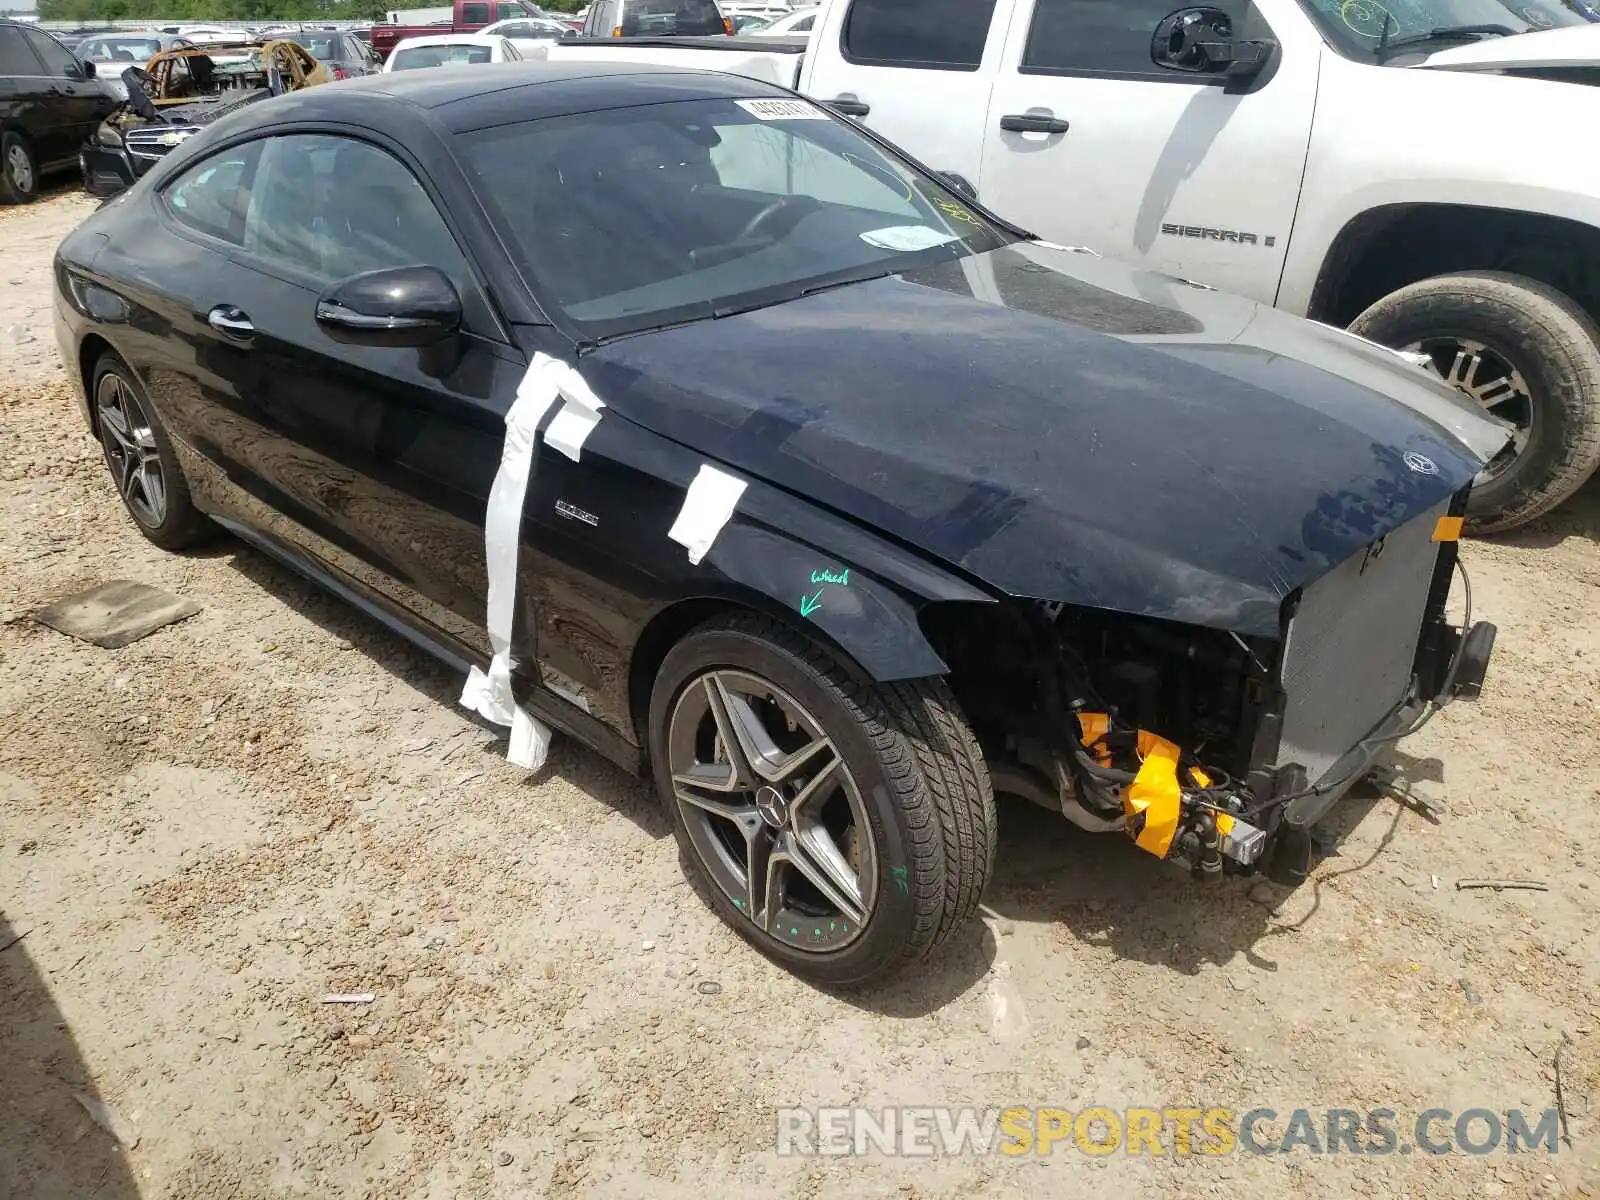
<point>637,217</point>
<point>475,14</point>
<point>504,12</point>
<point>332,207</point>
<point>410,58</point>
<point>671,18</point>
<point>119,49</point>
<point>1103,37</point>
<point>213,195</point>
<point>936,34</point>
<point>803,25</point>
<point>56,59</point>
<point>15,57</point>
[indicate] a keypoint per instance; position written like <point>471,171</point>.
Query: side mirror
<point>401,306</point>
<point>570,33</point>
<point>88,68</point>
<point>1199,41</point>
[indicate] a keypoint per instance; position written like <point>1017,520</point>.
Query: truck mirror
<point>1199,41</point>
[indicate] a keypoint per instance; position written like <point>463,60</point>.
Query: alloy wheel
<point>131,452</point>
<point>772,810</point>
<point>1492,381</point>
<point>20,169</point>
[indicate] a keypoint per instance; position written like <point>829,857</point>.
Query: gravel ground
<point>203,833</point>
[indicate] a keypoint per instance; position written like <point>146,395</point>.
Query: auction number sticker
<point>782,110</point>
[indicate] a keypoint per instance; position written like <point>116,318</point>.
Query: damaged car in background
<point>177,93</point>
<point>851,505</point>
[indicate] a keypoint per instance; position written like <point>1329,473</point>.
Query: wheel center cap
<point>772,807</point>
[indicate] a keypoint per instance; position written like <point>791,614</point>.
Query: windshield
<point>325,47</point>
<point>635,218</point>
<point>668,18</point>
<point>119,49</point>
<point>457,55</point>
<point>1358,28</point>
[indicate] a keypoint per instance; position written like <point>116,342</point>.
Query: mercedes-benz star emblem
<point>1421,463</point>
<point>772,807</point>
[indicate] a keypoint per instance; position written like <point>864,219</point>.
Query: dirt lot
<point>203,833</point>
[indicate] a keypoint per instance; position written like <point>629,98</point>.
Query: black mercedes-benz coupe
<point>836,504</point>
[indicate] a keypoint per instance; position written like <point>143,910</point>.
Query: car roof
<point>451,39</point>
<point>505,93</point>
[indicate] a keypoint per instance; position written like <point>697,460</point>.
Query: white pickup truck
<point>1416,170</point>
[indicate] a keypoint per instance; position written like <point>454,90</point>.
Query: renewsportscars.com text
<point>1168,1130</point>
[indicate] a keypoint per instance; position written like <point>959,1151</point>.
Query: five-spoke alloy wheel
<point>842,828</point>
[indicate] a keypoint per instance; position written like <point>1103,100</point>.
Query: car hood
<point>1570,46</point>
<point>1068,429</point>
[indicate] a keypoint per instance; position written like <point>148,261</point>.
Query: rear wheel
<point>141,460</point>
<point>1523,352</point>
<point>843,829</point>
<point>19,170</point>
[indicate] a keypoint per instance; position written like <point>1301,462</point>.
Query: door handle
<point>1033,123</point>
<point>230,322</point>
<point>849,106</point>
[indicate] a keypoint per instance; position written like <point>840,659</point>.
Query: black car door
<point>377,461</point>
<point>25,92</point>
<point>76,103</point>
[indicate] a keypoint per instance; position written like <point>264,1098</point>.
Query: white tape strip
<point>707,506</point>
<point>488,693</point>
<point>580,413</point>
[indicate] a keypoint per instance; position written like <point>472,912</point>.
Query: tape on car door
<point>488,693</point>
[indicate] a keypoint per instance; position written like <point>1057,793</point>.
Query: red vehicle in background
<point>470,16</point>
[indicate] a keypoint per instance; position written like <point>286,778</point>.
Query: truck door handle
<point>230,322</point>
<point>1032,123</point>
<point>849,106</point>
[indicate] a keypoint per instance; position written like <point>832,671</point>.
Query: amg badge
<point>573,513</point>
<point>1206,233</point>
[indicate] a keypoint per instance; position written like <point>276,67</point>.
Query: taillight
<point>727,26</point>
<point>616,31</point>
<point>340,73</point>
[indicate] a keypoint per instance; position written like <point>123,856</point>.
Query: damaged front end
<point>180,92</point>
<point>1208,747</point>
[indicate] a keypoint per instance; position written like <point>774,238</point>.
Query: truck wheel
<point>1524,352</point>
<point>843,829</point>
<point>19,170</point>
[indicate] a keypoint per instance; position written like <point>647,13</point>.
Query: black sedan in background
<point>49,102</point>
<point>854,506</point>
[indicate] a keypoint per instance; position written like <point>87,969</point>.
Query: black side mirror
<point>88,68</point>
<point>401,306</point>
<point>570,33</point>
<point>1199,41</point>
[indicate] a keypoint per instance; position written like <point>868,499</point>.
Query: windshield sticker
<point>782,110</point>
<point>906,238</point>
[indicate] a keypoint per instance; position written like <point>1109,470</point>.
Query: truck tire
<point>1525,352</point>
<point>19,170</point>
<point>842,828</point>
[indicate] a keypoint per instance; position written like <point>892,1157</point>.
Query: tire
<point>19,170</point>
<point>1533,353</point>
<point>907,806</point>
<point>139,455</point>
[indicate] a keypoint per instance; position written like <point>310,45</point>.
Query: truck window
<point>1103,37</point>
<point>504,12</point>
<point>669,18</point>
<point>474,14</point>
<point>937,35</point>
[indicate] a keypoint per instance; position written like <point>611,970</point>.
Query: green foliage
<point>90,12</point>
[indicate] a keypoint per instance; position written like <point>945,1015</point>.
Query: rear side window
<point>670,18</point>
<point>15,57</point>
<point>940,35</point>
<point>475,14</point>
<point>1104,37</point>
<point>212,196</point>
<point>505,12</point>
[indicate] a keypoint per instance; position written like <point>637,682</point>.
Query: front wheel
<point>1523,352</point>
<point>843,829</point>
